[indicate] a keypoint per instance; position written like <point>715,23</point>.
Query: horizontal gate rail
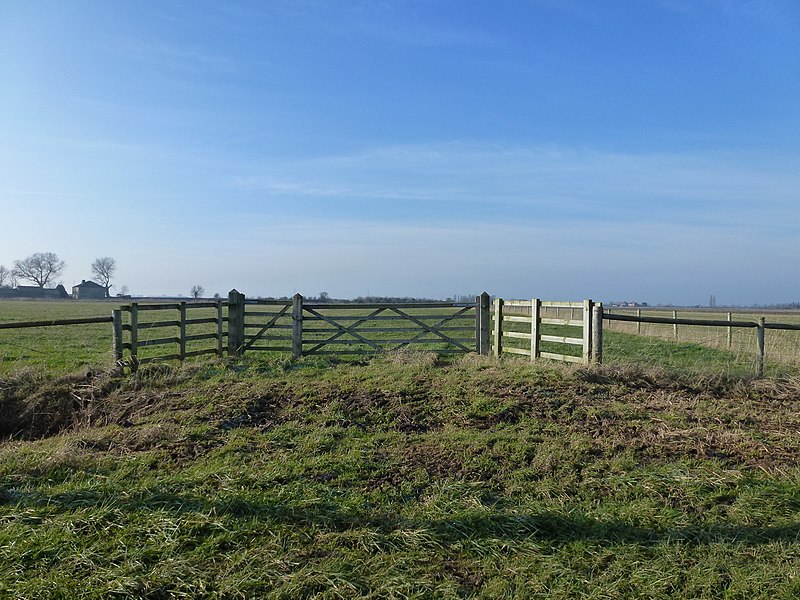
<point>385,317</point>
<point>404,305</point>
<point>387,329</point>
<point>400,342</point>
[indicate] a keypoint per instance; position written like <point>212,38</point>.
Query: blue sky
<point>625,149</point>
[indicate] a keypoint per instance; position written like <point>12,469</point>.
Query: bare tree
<point>197,291</point>
<point>103,268</point>
<point>5,276</point>
<point>40,268</point>
<point>123,291</point>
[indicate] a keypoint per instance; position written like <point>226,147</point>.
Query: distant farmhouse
<point>88,290</point>
<point>35,292</point>
<point>85,290</point>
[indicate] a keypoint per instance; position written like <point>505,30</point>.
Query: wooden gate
<point>355,328</point>
<point>555,324</point>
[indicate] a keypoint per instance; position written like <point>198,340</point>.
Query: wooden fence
<point>303,328</point>
<point>533,314</point>
<point>760,325</point>
<point>55,322</point>
<point>181,327</point>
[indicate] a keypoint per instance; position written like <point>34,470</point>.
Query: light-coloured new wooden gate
<point>523,320</point>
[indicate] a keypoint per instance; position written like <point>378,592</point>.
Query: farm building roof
<point>87,284</point>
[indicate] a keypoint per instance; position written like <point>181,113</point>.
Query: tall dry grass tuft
<point>651,377</point>
<point>475,360</point>
<point>410,358</point>
<point>33,405</point>
<point>785,388</point>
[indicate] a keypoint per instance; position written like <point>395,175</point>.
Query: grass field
<point>54,349</point>
<point>399,477</point>
<point>782,347</point>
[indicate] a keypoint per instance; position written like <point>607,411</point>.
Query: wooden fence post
<point>730,331</point>
<point>587,331</point>
<point>638,323</point>
<point>116,321</point>
<point>220,340</point>
<point>482,324</point>
<point>760,343</point>
<point>498,327</point>
<point>134,336</point>
<point>536,318</point>
<point>597,334</point>
<point>235,322</point>
<point>675,325</point>
<point>297,326</point>
<point>182,332</point>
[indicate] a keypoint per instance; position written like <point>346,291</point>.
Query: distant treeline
<point>324,298</point>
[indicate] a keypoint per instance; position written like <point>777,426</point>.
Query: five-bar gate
<point>305,328</point>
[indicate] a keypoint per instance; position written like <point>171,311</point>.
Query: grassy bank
<point>398,478</point>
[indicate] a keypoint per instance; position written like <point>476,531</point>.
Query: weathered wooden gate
<point>356,328</point>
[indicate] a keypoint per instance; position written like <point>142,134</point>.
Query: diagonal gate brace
<point>343,330</point>
<point>264,329</point>
<point>433,328</point>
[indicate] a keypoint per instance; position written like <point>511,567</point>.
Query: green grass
<point>782,347</point>
<point>54,349</point>
<point>686,357</point>
<point>400,477</point>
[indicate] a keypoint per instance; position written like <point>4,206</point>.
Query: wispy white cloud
<point>91,145</point>
<point>754,11</point>
<point>164,55</point>
<point>391,22</point>
<point>614,185</point>
<point>55,194</point>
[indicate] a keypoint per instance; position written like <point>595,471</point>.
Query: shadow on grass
<point>546,526</point>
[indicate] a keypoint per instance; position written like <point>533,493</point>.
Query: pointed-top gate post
<point>235,322</point>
